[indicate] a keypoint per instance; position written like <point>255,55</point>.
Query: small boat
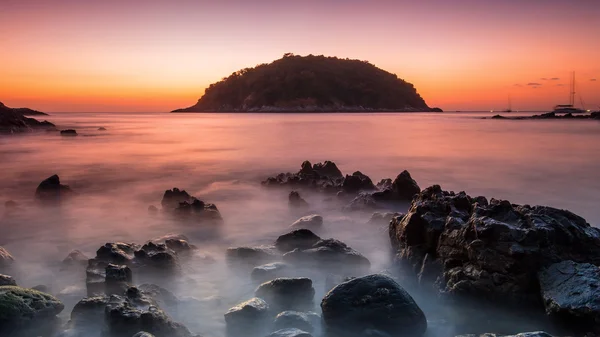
<point>509,106</point>
<point>569,108</point>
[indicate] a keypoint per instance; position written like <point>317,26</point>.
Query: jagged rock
<point>21,306</point>
<point>143,334</point>
<point>269,271</point>
<point>571,293</point>
<point>330,255</point>
<point>296,201</point>
<point>248,318</point>
<point>384,184</point>
<point>287,293</point>
<point>523,334</point>
<point>253,256</point>
<point>362,202</point>
<point>117,278</point>
<point>180,246</point>
<point>157,256</point>
<point>491,251</point>
<point>292,332</point>
<point>6,280</point>
<point>372,302</point>
<point>68,132</point>
<point>13,120</point>
<point>90,310</point>
<point>118,252</point>
<point>321,176</point>
<point>383,218</point>
<point>5,258</point>
<point>172,198</point>
<point>299,238</point>
<point>75,257</point>
<point>357,182</point>
<point>95,277</point>
<point>51,190</point>
<point>404,187</point>
<point>161,296</point>
<point>198,209</point>
<point>312,222</point>
<point>293,319</point>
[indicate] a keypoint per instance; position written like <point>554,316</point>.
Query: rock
<point>523,334</point>
<point>75,257</point>
<point>161,296</point>
<point>157,256</point>
<point>11,204</point>
<point>287,293</point>
<point>143,334</point>
<point>299,238</point>
<point>51,190</point>
<point>325,169</point>
<point>95,277</point>
<point>321,176</point>
<point>247,318</point>
<point>253,256</point>
<point>290,333</point>
<point>152,209</point>
<point>312,222</point>
<point>269,271</point>
<point>489,251</point>
<point>403,188</point>
<point>331,255</point>
<point>571,293</point>
<point>5,258</point>
<point>172,198</point>
<point>13,120</point>
<point>68,132</point>
<point>179,246</point>
<point>293,319</point>
<point>117,278</point>
<point>372,302</point>
<point>498,117</point>
<point>21,306</point>
<point>357,182</point>
<point>90,310</point>
<point>383,218</point>
<point>362,202</point>
<point>41,288</point>
<point>198,210</point>
<point>117,252</point>
<point>101,128</point>
<point>296,201</point>
<point>6,280</point>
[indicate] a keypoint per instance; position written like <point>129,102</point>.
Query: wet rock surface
<point>51,190</point>
<point>19,306</point>
<point>6,280</point>
<point>269,271</point>
<point>297,239</point>
<point>312,222</point>
<point>252,256</point>
<point>287,293</point>
<point>492,251</point>
<point>383,218</point>
<point>372,302</point>
<point>290,332</point>
<point>294,319</point>
<point>247,318</point>
<point>329,254</point>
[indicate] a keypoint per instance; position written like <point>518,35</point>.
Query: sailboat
<point>569,108</point>
<point>509,106</point>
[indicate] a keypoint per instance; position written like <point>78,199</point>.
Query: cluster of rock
<point>358,187</point>
<point>185,206</point>
<point>14,121</point>
<point>552,115</point>
<point>506,253</point>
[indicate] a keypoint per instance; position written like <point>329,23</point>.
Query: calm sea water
<point>221,158</point>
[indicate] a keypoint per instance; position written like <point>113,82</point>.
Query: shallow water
<point>221,159</point>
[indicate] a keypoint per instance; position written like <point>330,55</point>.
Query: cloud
<point>554,79</point>
<point>533,84</point>
<point>593,80</point>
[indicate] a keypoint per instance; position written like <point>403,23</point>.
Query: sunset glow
<point>160,55</point>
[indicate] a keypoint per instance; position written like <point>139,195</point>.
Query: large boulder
<point>51,190</point>
<point>287,293</point>
<point>269,271</point>
<point>312,222</point>
<point>296,201</point>
<point>331,255</point>
<point>290,332</point>
<point>5,258</point>
<point>571,292</point>
<point>172,198</point>
<point>247,318</point>
<point>299,238</point>
<point>321,176</point>
<point>155,256</point>
<point>251,256</point>
<point>489,250</point>
<point>403,188</point>
<point>21,306</point>
<point>357,182</point>
<point>294,319</point>
<point>6,280</point>
<point>372,302</point>
<point>117,252</point>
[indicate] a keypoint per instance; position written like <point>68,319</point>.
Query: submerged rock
<point>292,332</point>
<point>5,258</point>
<point>247,318</point>
<point>183,205</point>
<point>357,182</point>
<point>287,293</point>
<point>68,132</point>
<point>492,251</point>
<point>331,255</point>
<point>19,306</point>
<point>312,222</point>
<point>101,128</point>
<point>296,201</point>
<point>571,293</point>
<point>6,280</point>
<point>51,190</point>
<point>299,238</point>
<point>372,302</point>
<point>75,257</point>
<point>269,271</point>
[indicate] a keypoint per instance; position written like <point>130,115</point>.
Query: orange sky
<point>139,55</point>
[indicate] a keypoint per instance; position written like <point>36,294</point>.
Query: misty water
<point>221,159</point>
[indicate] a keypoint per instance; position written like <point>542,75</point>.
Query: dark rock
<point>198,210</point>
<point>436,110</point>
<point>299,238</point>
<point>312,222</point>
<point>172,198</point>
<point>489,251</point>
<point>362,202</point>
<point>248,318</point>
<point>90,310</point>
<point>5,258</point>
<point>357,182</point>
<point>252,256</point>
<point>571,293</point>
<point>296,201</point>
<point>101,128</point>
<point>383,218</point>
<point>331,255</point>
<point>152,209</point>
<point>321,176</point>
<point>269,271</point>
<point>13,120</point>
<point>293,319</point>
<point>498,117</point>
<point>118,252</point>
<point>95,277</point>
<point>179,246</point>
<point>287,293</point>
<point>42,288</point>
<point>117,278</point>
<point>372,302</point>
<point>161,296</point>
<point>384,184</point>
<point>75,257</point>
<point>68,132</point>
<point>51,190</point>
<point>292,332</point>
<point>143,334</point>
<point>326,169</point>
<point>403,188</point>
<point>158,256</point>
<point>6,280</point>
<point>21,306</point>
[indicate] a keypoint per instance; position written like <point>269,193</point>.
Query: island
<point>595,115</point>
<point>311,84</point>
<point>13,120</point>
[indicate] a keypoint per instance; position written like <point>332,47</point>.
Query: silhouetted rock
<point>372,302</point>
<point>403,188</point>
<point>248,318</point>
<point>101,128</point>
<point>331,255</point>
<point>571,293</point>
<point>14,121</point>
<point>68,132</point>
<point>252,256</point>
<point>357,182</point>
<point>269,271</point>
<point>310,83</point>
<point>296,201</point>
<point>117,252</point>
<point>188,207</point>
<point>293,319</point>
<point>51,190</point>
<point>6,280</point>
<point>290,332</point>
<point>299,238</point>
<point>362,202</point>
<point>436,110</point>
<point>75,257</point>
<point>312,222</point>
<point>490,251</point>
<point>172,198</point>
<point>21,306</point>
<point>321,176</point>
<point>498,117</point>
<point>5,258</point>
<point>287,293</point>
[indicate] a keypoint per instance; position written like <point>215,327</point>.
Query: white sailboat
<point>569,108</point>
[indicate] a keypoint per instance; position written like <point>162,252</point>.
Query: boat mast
<point>572,93</point>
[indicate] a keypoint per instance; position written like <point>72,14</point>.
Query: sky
<point>158,55</point>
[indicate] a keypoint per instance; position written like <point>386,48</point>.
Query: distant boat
<point>569,108</point>
<point>509,106</point>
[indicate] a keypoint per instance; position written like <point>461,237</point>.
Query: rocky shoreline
<point>552,116</point>
<point>535,258</point>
